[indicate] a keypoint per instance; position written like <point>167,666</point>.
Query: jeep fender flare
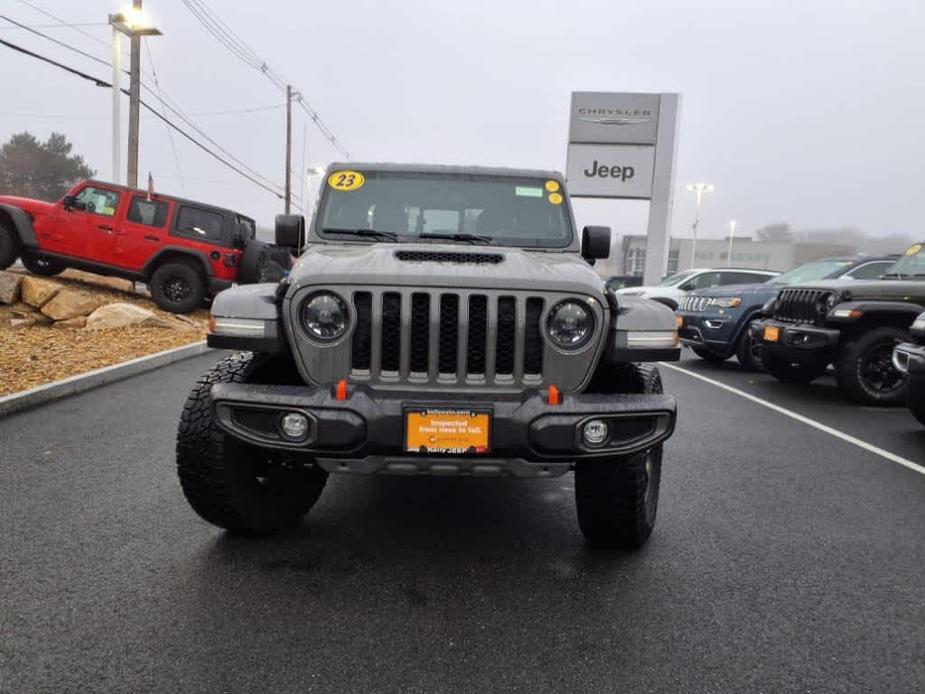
<point>651,320</point>
<point>169,253</point>
<point>21,223</point>
<point>864,309</point>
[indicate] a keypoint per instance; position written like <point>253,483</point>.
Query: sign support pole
<point>658,236</point>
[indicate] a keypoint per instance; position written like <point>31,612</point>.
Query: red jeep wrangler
<point>186,252</point>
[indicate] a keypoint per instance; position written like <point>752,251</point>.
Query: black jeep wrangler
<point>852,324</point>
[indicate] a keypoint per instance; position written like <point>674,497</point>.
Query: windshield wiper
<point>366,233</point>
<point>471,238</point>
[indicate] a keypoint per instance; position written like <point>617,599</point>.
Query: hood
<point>740,290</point>
<point>887,290</point>
<point>445,265</point>
<point>27,204</point>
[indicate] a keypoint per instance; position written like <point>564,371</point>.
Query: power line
<point>56,41</point>
<point>226,36</point>
<point>173,145</point>
<point>103,83</point>
<point>75,27</point>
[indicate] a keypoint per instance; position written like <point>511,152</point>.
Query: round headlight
<point>325,316</point>
<point>831,301</point>
<point>570,324</point>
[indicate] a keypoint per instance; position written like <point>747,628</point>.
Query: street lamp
<point>132,23</point>
<point>732,234</point>
<point>698,189</point>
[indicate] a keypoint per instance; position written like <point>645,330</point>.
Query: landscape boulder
<point>9,287</point>
<point>37,291</point>
<point>122,315</point>
<point>75,323</point>
<point>116,283</point>
<point>70,303</point>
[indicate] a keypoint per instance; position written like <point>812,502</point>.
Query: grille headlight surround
<point>324,316</point>
<point>570,325</point>
<point>827,302</point>
<point>726,301</point>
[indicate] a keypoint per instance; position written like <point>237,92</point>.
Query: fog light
<point>595,432</point>
<point>294,425</point>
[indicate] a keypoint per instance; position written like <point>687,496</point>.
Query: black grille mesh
<point>449,332</point>
<point>449,257</point>
<point>507,326</point>
<point>391,331</point>
<point>799,305</point>
<point>420,332</point>
<point>362,335</point>
<point>533,339</point>
<point>478,327</point>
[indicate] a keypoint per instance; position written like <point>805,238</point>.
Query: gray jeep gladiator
<point>444,321</point>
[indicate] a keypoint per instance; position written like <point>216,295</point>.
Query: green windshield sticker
<point>528,192</point>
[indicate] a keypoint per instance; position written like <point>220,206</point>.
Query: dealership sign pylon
<point>622,146</point>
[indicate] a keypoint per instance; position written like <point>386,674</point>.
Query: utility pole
<point>288,147</point>
<point>134,102</point>
<point>132,24</point>
<point>698,189</point>
<point>116,103</point>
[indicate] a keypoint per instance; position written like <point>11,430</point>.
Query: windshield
<point>817,270</point>
<point>675,279</point>
<point>411,206</point>
<point>912,264</point>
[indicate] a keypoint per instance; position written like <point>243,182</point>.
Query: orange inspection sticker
<point>447,431</point>
<point>771,333</point>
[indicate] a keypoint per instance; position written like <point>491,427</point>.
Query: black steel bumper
<point>909,358</point>
<point>798,342</point>
<point>366,431</point>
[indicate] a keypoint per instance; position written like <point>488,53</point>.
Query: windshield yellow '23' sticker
<point>913,250</point>
<point>346,180</point>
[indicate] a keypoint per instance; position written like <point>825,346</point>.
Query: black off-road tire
<point>787,372</point>
<point>177,287</point>
<point>232,485</point>
<point>10,246</point>
<point>750,351</point>
<point>617,499</point>
<point>707,355</point>
<point>41,265</point>
<point>865,370</point>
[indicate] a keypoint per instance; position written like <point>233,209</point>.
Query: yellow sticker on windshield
<point>912,250</point>
<point>555,198</point>
<point>552,186</point>
<point>346,180</point>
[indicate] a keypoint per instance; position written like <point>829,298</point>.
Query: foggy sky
<point>807,112</point>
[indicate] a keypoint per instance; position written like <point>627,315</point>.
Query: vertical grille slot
<point>361,345</point>
<point>533,344</point>
<point>507,327</point>
<point>391,331</point>
<point>478,331</point>
<point>420,332</point>
<point>449,333</point>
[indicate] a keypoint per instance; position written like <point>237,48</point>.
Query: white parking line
<point>892,457</point>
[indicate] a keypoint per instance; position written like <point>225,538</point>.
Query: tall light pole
<point>131,23</point>
<point>732,235</point>
<point>698,189</point>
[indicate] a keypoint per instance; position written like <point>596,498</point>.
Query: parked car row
<point>863,316</point>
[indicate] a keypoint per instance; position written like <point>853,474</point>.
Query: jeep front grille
<point>447,336</point>
<point>799,305</point>
<point>694,304</point>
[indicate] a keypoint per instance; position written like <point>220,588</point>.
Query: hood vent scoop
<point>449,257</point>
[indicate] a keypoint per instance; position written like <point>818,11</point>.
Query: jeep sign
<point>622,146</point>
<point>611,171</point>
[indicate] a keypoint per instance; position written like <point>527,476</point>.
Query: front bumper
<point>713,331</point>
<point>798,342</point>
<point>909,358</point>
<point>365,432</point>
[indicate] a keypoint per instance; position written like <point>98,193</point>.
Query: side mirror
<point>595,242</point>
<point>69,201</point>
<point>687,287</point>
<point>290,231</point>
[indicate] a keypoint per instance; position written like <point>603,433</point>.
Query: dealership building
<point>629,257</point>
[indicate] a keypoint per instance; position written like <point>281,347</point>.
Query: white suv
<point>672,289</point>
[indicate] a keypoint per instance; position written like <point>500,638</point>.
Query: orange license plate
<point>447,431</point>
<point>771,333</point>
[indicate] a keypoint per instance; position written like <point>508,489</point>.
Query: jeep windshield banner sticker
<point>346,180</point>
<point>555,198</point>
<point>528,192</point>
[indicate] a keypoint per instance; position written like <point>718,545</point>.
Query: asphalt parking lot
<point>785,559</point>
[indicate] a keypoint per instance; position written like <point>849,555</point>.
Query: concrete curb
<point>56,390</point>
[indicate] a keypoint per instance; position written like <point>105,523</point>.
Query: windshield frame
<point>572,241</point>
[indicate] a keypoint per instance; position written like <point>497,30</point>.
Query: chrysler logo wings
<point>613,120</point>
